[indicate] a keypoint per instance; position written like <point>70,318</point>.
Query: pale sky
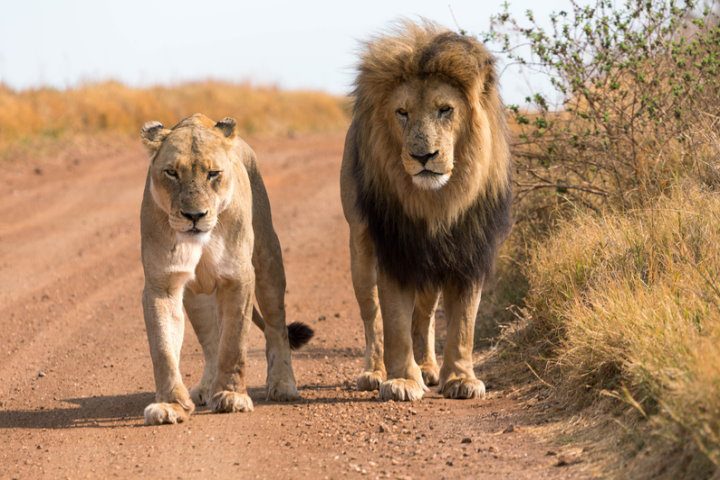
<point>310,44</point>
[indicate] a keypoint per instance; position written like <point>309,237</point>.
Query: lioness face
<point>189,181</point>
<point>428,115</point>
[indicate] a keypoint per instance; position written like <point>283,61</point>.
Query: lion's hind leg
<point>423,335</point>
<point>270,294</point>
<point>202,312</point>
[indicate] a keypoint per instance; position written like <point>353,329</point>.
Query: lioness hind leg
<point>364,277</point>
<point>423,335</point>
<point>229,391</point>
<point>164,322</point>
<point>457,378</point>
<point>405,380</point>
<point>270,294</point>
<point>202,312</point>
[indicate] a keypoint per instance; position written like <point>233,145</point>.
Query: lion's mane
<point>451,235</point>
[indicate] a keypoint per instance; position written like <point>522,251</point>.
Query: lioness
<point>426,192</point>
<point>208,244</point>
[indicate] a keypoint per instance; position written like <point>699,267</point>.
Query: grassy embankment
<point>616,251</point>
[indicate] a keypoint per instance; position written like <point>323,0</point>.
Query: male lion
<point>207,244</point>
<point>426,191</point>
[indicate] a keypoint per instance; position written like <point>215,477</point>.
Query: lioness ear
<point>153,133</point>
<point>227,126</point>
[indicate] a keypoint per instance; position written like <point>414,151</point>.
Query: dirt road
<point>75,370</point>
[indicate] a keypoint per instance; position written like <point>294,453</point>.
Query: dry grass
<point>631,305</point>
<point>111,106</point>
<point>618,227</point>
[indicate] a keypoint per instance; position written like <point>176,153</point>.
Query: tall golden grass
<point>112,106</point>
<point>632,302</point>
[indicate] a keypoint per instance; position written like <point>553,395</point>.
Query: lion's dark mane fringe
<point>462,254</point>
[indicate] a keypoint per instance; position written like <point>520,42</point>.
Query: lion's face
<point>428,116</point>
<point>190,178</point>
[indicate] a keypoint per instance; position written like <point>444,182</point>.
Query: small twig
<point>538,376</point>
<point>457,25</point>
<point>537,186</point>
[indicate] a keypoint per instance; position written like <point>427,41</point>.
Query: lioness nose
<point>193,216</point>
<point>423,159</point>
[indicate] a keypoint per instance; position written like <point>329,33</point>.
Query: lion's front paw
<point>282,391</point>
<point>229,402</point>
<point>463,388</point>
<point>401,389</point>
<point>370,380</point>
<point>200,394</point>
<point>430,374</point>
<point>165,413</point>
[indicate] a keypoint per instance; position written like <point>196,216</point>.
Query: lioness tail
<point>299,333</point>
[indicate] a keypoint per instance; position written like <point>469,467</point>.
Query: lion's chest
<point>184,256</point>
<point>461,254</point>
<point>206,262</point>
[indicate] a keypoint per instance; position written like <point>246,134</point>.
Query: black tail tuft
<point>299,334</point>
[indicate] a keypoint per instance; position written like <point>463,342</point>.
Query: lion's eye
<point>213,174</point>
<point>171,173</point>
<point>445,110</point>
<point>402,113</point>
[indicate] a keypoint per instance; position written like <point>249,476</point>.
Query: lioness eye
<point>171,173</point>
<point>402,113</point>
<point>445,110</point>
<point>214,174</point>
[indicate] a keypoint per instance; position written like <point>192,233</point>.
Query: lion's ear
<point>227,126</point>
<point>153,133</point>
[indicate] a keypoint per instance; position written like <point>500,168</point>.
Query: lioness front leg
<point>164,322</point>
<point>202,312</point>
<point>229,391</point>
<point>423,334</point>
<point>363,265</point>
<point>405,380</point>
<point>457,378</point>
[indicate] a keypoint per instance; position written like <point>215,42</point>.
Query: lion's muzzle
<point>424,158</point>
<point>193,216</point>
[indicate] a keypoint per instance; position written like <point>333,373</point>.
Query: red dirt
<point>75,369</point>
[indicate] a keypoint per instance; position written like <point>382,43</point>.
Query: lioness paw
<point>370,380</point>
<point>229,402</point>
<point>430,374</point>
<point>401,389</point>
<point>165,413</point>
<point>282,391</point>
<point>463,388</point>
<point>200,394</point>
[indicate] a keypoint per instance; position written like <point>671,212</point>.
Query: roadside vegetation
<point>617,241</point>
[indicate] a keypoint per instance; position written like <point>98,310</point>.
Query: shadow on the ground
<point>108,411</point>
<point>113,411</point>
<point>313,352</point>
<point>319,396</point>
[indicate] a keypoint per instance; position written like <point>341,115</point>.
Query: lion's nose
<point>194,216</point>
<point>424,158</point>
